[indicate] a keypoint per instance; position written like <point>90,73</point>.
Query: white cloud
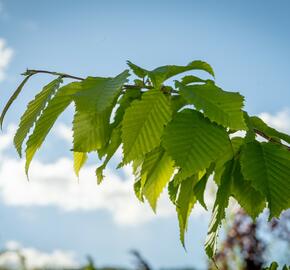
<point>54,184</point>
<point>6,138</point>
<point>280,120</point>
<point>35,258</point>
<point>6,54</point>
<point>63,132</point>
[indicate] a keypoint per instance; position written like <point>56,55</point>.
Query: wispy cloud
<point>6,54</point>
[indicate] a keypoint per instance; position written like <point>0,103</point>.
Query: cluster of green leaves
<point>175,136</point>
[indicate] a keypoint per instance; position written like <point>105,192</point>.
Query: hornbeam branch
<point>64,75</point>
<point>129,86</point>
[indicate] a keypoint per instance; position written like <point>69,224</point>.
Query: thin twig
<point>64,75</point>
<point>265,136</point>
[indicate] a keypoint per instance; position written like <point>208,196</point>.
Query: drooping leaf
<point>143,124</point>
<point>220,205</point>
<point>110,150</point>
<point>173,191</point>
<point>91,130</point>
<point>249,198</point>
<point>229,154</point>
<point>260,125</point>
<point>138,190</point>
<point>137,172</point>
<point>115,136</point>
<point>157,178</point>
<point>199,188</point>
<point>224,108</point>
<point>184,204</point>
<point>194,142</point>
<point>150,161</point>
<point>12,98</point>
<point>267,166</point>
<point>94,105</point>
<point>79,161</point>
<point>33,111</point>
<point>124,102</point>
<point>48,117</point>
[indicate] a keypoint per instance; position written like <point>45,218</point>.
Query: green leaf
<point>138,71</point>
<point>150,161</point>
<point>184,204</point>
<point>48,117</point>
<point>138,186</point>
<point>138,190</point>
<point>233,150</point>
<point>99,93</point>
<point>157,176</point>
<point>12,98</point>
<point>250,199</point>
<point>191,79</point>
<point>115,141</point>
<point>260,125</point>
<point>110,150</point>
<point>173,191</point>
<point>94,105</point>
<point>91,130</point>
<point>177,103</point>
<point>224,108</point>
<point>124,102</point>
<point>161,74</point>
<point>220,205</point>
<point>267,166</point>
<point>194,142</point>
<point>79,161</point>
<point>199,189</point>
<point>143,124</point>
<point>33,111</point>
<point>250,135</point>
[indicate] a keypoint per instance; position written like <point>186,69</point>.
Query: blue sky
<point>246,42</point>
